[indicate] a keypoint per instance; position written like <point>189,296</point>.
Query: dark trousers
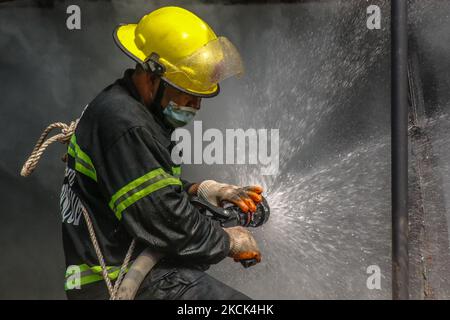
<point>169,282</point>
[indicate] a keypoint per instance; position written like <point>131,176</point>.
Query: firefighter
<point>120,168</point>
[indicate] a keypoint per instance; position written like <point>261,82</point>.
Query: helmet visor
<point>201,71</point>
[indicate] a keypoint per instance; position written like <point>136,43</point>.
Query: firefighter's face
<point>180,98</point>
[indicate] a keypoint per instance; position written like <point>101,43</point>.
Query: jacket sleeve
<point>153,205</point>
<point>186,184</point>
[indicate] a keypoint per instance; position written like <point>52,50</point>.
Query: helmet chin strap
<point>155,106</point>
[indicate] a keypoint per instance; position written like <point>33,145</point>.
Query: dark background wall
<point>313,71</point>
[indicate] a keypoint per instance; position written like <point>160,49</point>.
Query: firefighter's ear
<point>146,84</point>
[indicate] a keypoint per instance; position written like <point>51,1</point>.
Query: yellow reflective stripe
<point>71,151</point>
<point>144,192</point>
<point>82,169</point>
<point>139,188</point>
<point>83,267</point>
<point>86,280</point>
<point>83,162</point>
<point>135,183</point>
<point>98,269</point>
<point>94,274</point>
<point>176,171</point>
<point>113,275</point>
<point>80,152</point>
<point>90,279</point>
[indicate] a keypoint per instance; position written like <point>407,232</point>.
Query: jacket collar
<point>165,131</point>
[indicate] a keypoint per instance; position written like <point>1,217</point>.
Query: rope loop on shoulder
<point>67,130</point>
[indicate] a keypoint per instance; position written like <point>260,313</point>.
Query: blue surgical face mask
<point>178,116</point>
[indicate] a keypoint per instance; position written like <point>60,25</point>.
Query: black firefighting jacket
<point>120,168</point>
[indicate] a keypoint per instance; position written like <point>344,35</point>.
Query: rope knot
<point>64,137</point>
<point>68,130</point>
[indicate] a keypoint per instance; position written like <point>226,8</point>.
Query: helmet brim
<point>124,38</point>
<point>124,35</point>
<point>213,92</point>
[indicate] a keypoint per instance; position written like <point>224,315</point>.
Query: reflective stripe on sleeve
<point>139,188</point>
<point>83,162</point>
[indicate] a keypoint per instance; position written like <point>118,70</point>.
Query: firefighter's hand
<point>242,245</point>
<point>246,198</point>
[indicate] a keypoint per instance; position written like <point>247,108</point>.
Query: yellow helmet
<point>182,48</point>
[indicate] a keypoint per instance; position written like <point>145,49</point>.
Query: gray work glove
<point>242,245</point>
<point>246,198</point>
